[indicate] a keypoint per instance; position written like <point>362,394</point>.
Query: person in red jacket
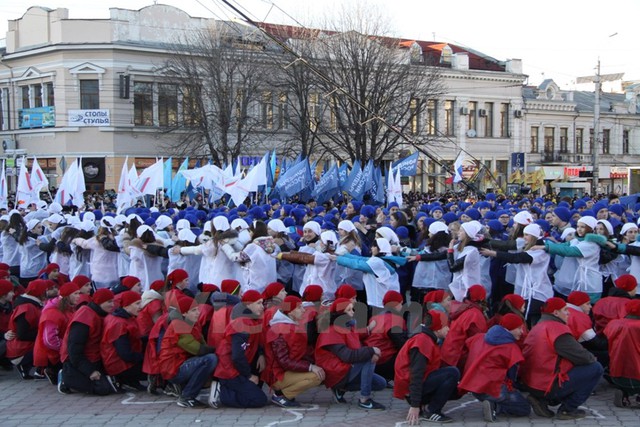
<point>241,357</point>
<point>491,369</point>
<point>185,360</point>
<point>418,376</point>
<point>82,368</point>
<point>24,322</point>
<point>224,302</point>
<point>347,364</point>
<point>54,320</point>
<point>466,321</point>
<point>388,332</point>
<point>121,346</point>
<point>581,326</point>
<point>6,307</point>
<point>624,351</point>
<point>556,367</point>
<point>312,305</point>
<point>289,372</point>
<point>613,306</point>
<point>151,308</point>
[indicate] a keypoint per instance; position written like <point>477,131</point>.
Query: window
<point>49,94</point>
<point>89,95</point>
<point>591,141</point>
<point>283,111</point>
<point>267,110</point>
<point>504,120</point>
<point>473,118</point>
<point>625,142</point>
<point>37,95</point>
<point>549,136</point>
<point>414,115</point>
<point>143,104</point>
<point>432,121</point>
<point>606,140</point>
<point>190,106</point>
<point>25,96</point>
<point>448,117</point>
<point>314,111</point>
<point>579,140</point>
<point>488,120</point>
<point>167,104</point>
<point>564,138</point>
<point>534,139</point>
<point>4,109</point>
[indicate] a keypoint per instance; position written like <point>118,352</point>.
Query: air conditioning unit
<point>482,113</point>
<point>464,111</point>
<point>471,133</point>
<point>8,144</point>
<point>517,114</point>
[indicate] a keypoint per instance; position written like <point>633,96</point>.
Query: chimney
<point>460,61</point>
<point>514,66</point>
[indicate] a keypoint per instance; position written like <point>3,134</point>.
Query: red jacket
<point>538,371</point>
<point>295,338</point>
<point>43,355</point>
<point>379,336</point>
<point>85,315</point>
<point>150,364</point>
<point>115,327</point>
<point>171,354</point>
<point>487,365</point>
<point>608,309</point>
<point>428,348</point>
<point>145,316</point>
<point>624,348</point>
<point>578,322</point>
<point>334,368</point>
<point>467,321</point>
<point>253,327</point>
<point>31,312</point>
<point>219,321</point>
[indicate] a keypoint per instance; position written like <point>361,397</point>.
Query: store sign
<point>41,117</point>
<point>618,173</point>
<point>575,172</point>
<point>88,118</point>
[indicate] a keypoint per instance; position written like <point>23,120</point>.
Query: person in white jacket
<point>32,259</point>
<point>189,263</point>
<point>104,257</point>
<point>146,255</point>
<point>464,260</point>
<point>259,259</point>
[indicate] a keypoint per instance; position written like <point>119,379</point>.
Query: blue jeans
<point>509,402</point>
<point>239,392</point>
<point>193,373</point>
<point>440,386</point>
<point>362,377</point>
<point>577,389</point>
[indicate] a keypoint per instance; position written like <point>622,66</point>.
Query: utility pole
<point>596,133</point>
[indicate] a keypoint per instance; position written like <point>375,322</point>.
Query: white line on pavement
<point>296,413</point>
<point>128,401</point>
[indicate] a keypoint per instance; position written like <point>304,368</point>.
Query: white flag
<point>24,192</point>
<point>124,198</point>
<point>151,178</point>
<point>457,168</point>
<point>3,188</point>
<point>38,179</point>
<point>68,185</point>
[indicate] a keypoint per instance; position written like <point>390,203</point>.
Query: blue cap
<point>449,217</point>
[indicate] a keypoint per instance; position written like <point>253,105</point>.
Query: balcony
<point>563,157</point>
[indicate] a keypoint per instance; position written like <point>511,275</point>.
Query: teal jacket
<point>565,249</point>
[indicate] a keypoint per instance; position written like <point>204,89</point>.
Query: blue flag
<point>368,175</point>
<point>408,166</point>
<point>191,190</point>
<point>343,175</point>
<point>179,183</point>
<point>377,191</point>
<point>166,172</point>
<point>328,184</point>
<point>355,185</point>
<point>294,180</point>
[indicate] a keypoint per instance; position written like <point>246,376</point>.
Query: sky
<point>556,39</point>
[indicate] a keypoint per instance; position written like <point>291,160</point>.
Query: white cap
<point>239,222</point>
<point>89,216</point>
<point>523,218</point>
<point>86,226</point>
<point>120,219</point>
<point>142,229</point>
<point>186,235</point>
<point>32,224</point>
<point>207,226</point>
<point>182,223</point>
<point>628,226</point>
<point>329,238</point>
<point>567,231</point>
<point>277,225</point>
<point>313,226</point>
<point>534,230</point>
<point>472,228</point>
<point>4,218</point>
<point>437,227</point>
<point>607,225</point>
<point>346,225</point>
<point>154,209</point>
<point>131,217</point>
<point>55,219</point>
<point>41,204</point>
<point>163,222</point>
<point>73,221</point>
<point>108,222</point>
<point>383,246</point>
<point>55,207</point>
<point>389,235</point>
<point>588,221</point>
<point>221,223</point>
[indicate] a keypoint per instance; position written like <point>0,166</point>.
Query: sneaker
<point>190,403</point>
<point>435,417</point>
<point>539,407</point>
<point>115,386</point>
<point>51,376</point>
<point>390,384</point>
<point>283,402</point>
<point>62,387</point>
<point>338,396</point>
<point>575,414</point>
<point>24,374</point>
<point>370,404</point>
<point>39,374</point>
<point>214,395</point>
<point>620,399</point>
<point>489,411</point>
<point>172,389</point>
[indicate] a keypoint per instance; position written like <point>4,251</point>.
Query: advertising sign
<point>88,118</point>
<point>40,117</point>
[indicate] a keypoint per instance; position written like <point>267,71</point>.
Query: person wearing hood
<point>55,318</point>
<point>151,308</point>
<point>556,367</point>
<point>624,344</point>
<point>289,372</point>
<point>121,347</point>
<point>379,271</point>
<point>223,303</point>
<point>185,359</point>
<point>491,369</point>
<point>614,306</point>
<point>467,320</point>
<point>419,377</point>
<point>532,281</point>
<point>82,368</point>
<point>464,259</point>
<point>24,320</point>
<point>241,357</point>
<point>259,259</point>
<point>320,265</point>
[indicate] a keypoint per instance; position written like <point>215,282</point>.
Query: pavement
<point>38,403</point>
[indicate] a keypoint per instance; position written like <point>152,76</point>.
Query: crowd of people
<point>525,303</point>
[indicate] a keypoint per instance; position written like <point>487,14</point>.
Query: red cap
<point>392,296</point>
<point>477,293</point>
<point>157,285</point>
<point>185,303</point>
<point>251,296</point>
<point>38,287</point>
<point>102,295</point>
<point>272,290</point>
<point>633,307</point>
<point>81,280</point>
<point>230,286</point>
<point>437,322</point>
<point>626,282</point>
<point>51,267</point>
<point>434,296</point>
<point>5,274</point>
<point>4,266</point>
<point>290,303</point>
<point>312,293</point>
<point>346,291</point>
<point>68,288</point>
<point>129,282</point>
<point>511,321</point>
<point>340,304</point>
<point>128,297</point>
<point>553,304</point>
<point>208,287</point>
<point>177,276</point>
<point>5,287</point>
<point>515,300</point>
<point>578,298</point>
